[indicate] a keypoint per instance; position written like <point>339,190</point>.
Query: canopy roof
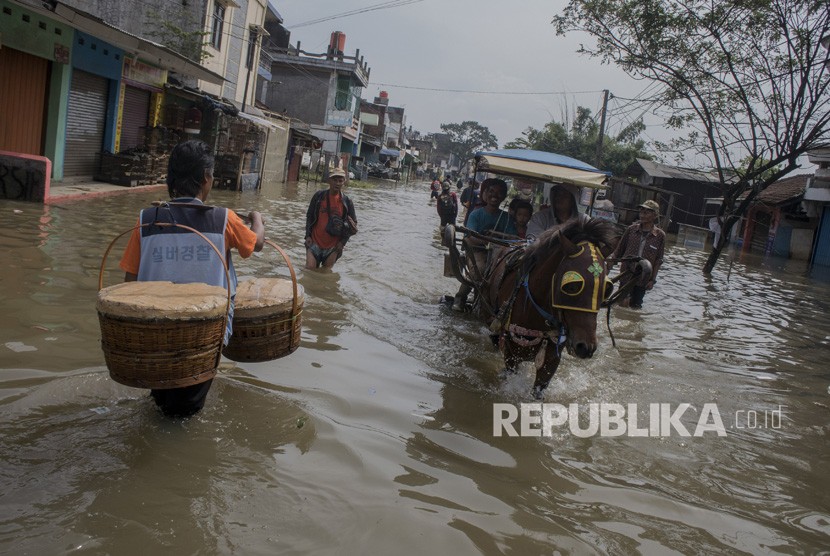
<point>541,165</point>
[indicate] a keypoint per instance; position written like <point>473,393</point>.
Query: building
<point>97,85</point>
<point>775,223</point>
<point>817,198</point>
<point>383,137</point>
<point>320,92</point>
<point>681,192</point>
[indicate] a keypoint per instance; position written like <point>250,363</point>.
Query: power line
<point>374,7</point>
<point>485,92</point>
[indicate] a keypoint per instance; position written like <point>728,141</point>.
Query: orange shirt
<point>237,235</point>
<point>318,232</point>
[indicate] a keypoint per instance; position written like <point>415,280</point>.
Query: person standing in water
<point>189,181</point>
<point>329,223</point>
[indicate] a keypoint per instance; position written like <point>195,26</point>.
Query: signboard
<point>140,72</point>
<point>369,119</point>
<point>340,118</point>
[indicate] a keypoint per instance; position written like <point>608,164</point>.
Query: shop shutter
<point>134,117</point>
<point>23,79</point>
<point>86,116</point>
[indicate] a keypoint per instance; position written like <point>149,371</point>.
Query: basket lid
<point>265,295</point>
<point>163,300</point>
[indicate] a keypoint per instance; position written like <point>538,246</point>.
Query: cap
<point>651,205</point>
<point>445,186</point>
<point>337,172</point>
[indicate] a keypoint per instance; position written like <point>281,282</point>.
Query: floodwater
<point>377,435</point>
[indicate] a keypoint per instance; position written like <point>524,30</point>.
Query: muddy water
<point>376,435</point>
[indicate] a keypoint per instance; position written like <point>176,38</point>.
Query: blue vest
<point>177,255</point>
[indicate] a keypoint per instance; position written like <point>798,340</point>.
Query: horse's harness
<point>556,332</point>
<point>521,336</point>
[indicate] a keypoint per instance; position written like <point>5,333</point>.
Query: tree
<point>188,43</point>
<point>579,140</point>
<point>467,138</point>
<point>740,79</point>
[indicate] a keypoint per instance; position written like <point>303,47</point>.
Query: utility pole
<point>602,128</point>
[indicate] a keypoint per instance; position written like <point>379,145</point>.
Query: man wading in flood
<point>329,223</point>
<point>641,239</point>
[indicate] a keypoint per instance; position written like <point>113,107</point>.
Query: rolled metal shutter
<point>134,117</point>
<point>85,119</point>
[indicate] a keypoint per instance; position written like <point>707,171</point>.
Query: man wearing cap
<point>562,208</point>
<point>329,223</point>
<point>642,239</point>
<point>447,205</point>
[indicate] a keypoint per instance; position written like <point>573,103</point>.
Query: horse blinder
<point>580,283</point>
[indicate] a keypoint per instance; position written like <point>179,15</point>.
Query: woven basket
<point>265,326</point>
<point>162,335</point>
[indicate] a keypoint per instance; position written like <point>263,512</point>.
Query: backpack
<point>446,204</point>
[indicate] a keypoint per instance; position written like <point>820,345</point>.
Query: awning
<point>390,152</point>
<point>131,44</point>
<point>257,120</point>
<point>550,167</point>
<point>369,140</point>
<point>304,135</point>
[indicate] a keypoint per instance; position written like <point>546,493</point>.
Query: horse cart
<point>542,298</point>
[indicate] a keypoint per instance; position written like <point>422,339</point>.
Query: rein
<point>623,291</point>
<point>526,337</point>
<point>487,238</point>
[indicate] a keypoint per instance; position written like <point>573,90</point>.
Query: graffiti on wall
<point>24,177</point>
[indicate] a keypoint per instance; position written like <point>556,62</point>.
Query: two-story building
<point>320,92</point>
<point>817,197</point>
<point>97,82</point>
<point>383,137</point>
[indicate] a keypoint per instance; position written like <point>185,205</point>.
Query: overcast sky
<point>480,45</point>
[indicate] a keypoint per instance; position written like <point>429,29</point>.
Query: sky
<point>472,45</point>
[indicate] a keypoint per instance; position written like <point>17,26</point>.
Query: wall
<point>275,154</point>
<point>24,177</point>
<point>137,16</point>
<point>689,203</point>
<point>801,243</point>
<point>302,94</point>
<point>236,47</point>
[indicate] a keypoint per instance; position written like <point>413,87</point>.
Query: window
<point>343,95</point>
<point>217,23</point>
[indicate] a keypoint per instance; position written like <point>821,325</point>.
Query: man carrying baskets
<point>172,253</point>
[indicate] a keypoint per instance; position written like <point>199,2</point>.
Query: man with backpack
<point>447,205</point>
<point>330,222</point>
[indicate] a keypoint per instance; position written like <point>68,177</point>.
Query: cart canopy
<point>541,165</point>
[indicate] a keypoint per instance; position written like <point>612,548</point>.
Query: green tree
<point>467,138</point>
<point>188,40</point>
<point>578,139</point>
<point>738,79</point>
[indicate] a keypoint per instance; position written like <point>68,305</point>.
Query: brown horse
<point>546,296</point>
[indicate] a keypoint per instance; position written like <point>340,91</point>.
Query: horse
<point>546,296</point>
